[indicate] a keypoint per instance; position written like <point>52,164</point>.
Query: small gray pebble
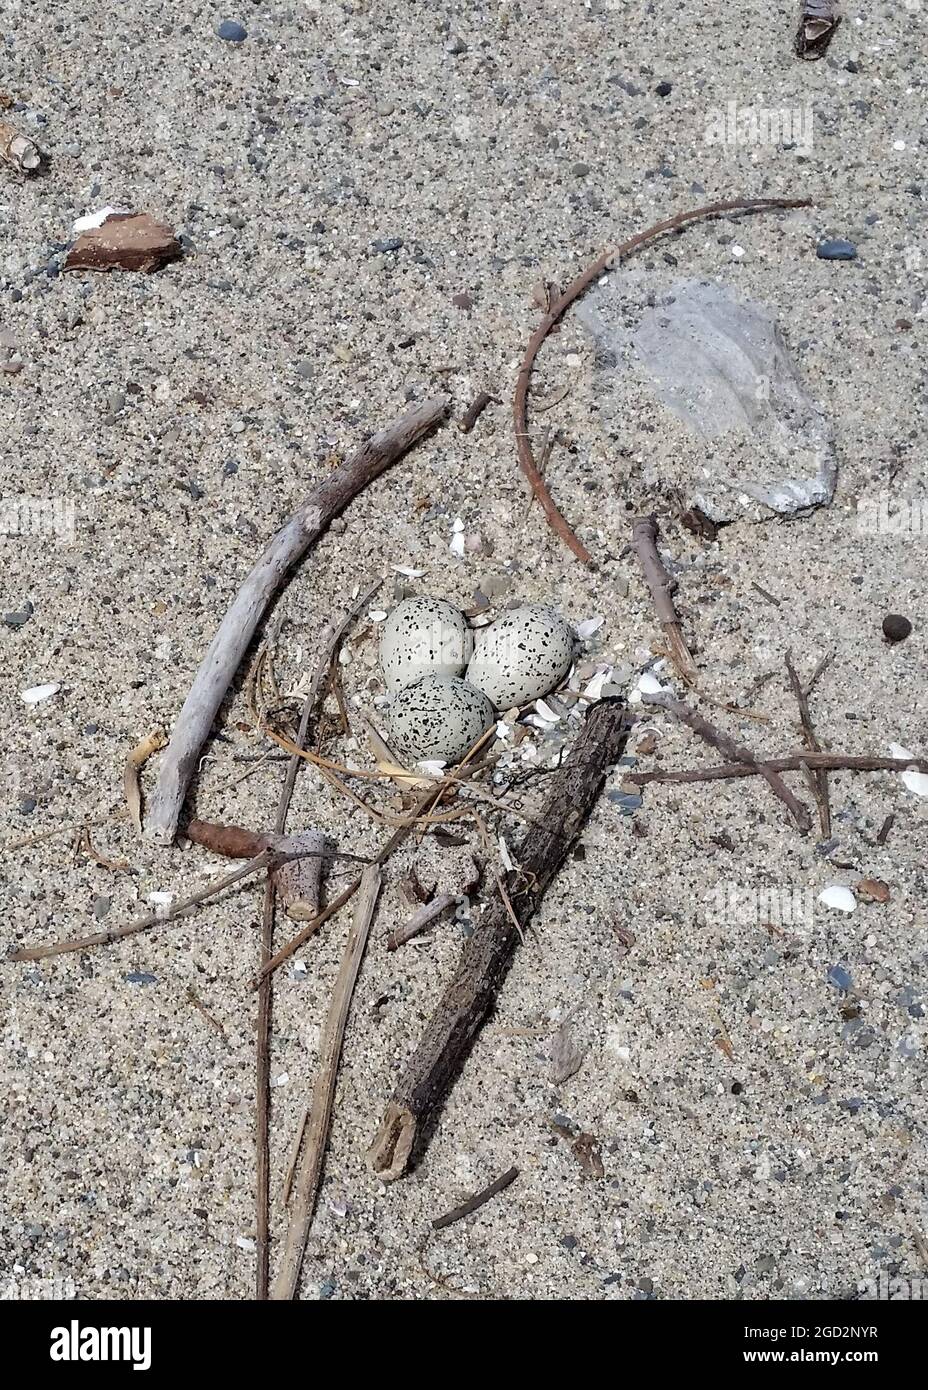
<point>836,250</point>
<point>580,170</point>
<point>101,906</point>
<point>140,977</point>
<point>19,618</point>
<point>305,369</point>
<point>232,32</point>
<point>456,45</point>
<point>387,243</point>
<point>27,805</point>
<point>839,977</point>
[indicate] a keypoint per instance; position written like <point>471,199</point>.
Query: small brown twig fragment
<point>765,593</point>
<point>736,751</point>
<point>474,411</point>
<point>421,919</point>
<point>662,587</point>
<point>486,956</point>
<point>818,777</point>
<point>135,761</point>
<point>884,830</point>
<point>478,1200</point>
<point>834,762</point>
<point>607,261</point>
<point>201,1008</point>
<point>18,150</point>
<point>306,1182</point>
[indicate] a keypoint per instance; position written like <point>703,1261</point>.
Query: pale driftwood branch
<point>326,501</point>
<point>661,587</point>
<point>794,762</point>
<point>736,751</point>
<point>306,1183</point>
<point>487,954</point>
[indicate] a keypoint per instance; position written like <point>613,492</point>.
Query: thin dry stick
<point>817,779</point>
<point>573,291</point>
<point>265,859</point>
<point>478,1200</point>
<point>306,1184</point>
<point>736,751</point>
<point>834,762</point>
<point>332,636</point>
<point>326,501</point>
<point>420,919</point>
<point>662,587</point>
<point>474,411</point>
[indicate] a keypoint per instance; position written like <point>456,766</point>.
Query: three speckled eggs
<point>446,688</point>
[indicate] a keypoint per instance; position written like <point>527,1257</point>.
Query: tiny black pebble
<point>663,89</point>
<point>896,628</point>
<point>737,1088</point>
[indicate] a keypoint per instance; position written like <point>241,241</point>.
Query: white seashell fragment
<point>37,693</point>
<point>588,627</point>
<point>838,897</point>
<point>91,220</point>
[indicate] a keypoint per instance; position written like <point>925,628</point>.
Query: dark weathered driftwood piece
<point>662,588</point>
<point>736,751</point>
<point>834,762</point>
<point>326,501</point>
<point>818,24</point>
<point>609,259</point>
<point>486,956</point>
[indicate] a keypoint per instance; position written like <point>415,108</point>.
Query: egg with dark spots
<point>424,637</point>
<point>439,717</point>
<point>522,656</point>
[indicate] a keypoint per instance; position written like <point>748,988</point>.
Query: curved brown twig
<point>572,292</point>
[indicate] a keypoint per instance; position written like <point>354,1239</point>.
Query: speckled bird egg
<point>424,637</point>
<point>438,717</point>
<point>522,656</point>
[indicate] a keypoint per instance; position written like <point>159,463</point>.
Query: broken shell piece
<point>91,220</point>
<point>586,629</point>
<point>913,780</point>
<point>838,897</point>
<point>522,656</point>
<point>37,693</point>
<point>439,717</point>
<point>125,241</point>
<point>18,150</point>
<point>818,23</point>
<point>423,637</point>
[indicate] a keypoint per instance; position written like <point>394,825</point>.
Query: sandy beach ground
<point>753,1076</point>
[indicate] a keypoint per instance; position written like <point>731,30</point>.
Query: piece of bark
<point>736,751</point>
<point>486,956</point>
<point>818,24</point>
<point>18,150</point>
<point>476,408</point>
<point>136,760</point>
<point>125,241</point>
<point>297,880</point>
<point>661,587</point>
<point>306,1182</point>
<point>326,501</point>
